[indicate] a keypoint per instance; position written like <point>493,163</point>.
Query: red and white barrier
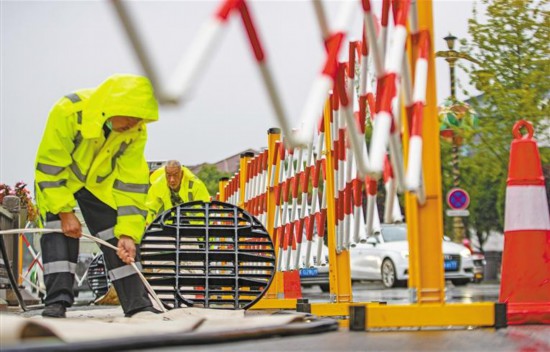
<point>387,91</point>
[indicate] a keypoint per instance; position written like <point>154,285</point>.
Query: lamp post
<point>452,56</point>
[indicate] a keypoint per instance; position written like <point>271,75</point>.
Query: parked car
<point>479,266</point>
<point>311,274</point>
<point>385,257</point>
<point>479,261</point>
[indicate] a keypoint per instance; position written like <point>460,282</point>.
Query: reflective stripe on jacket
<point>158,198</point>
<point>74,153</point>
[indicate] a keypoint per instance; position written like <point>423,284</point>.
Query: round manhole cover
<point>211,255</point>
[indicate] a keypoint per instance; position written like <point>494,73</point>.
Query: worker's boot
<point>55,310</point>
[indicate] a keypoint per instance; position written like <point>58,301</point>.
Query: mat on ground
<point>84,329</point>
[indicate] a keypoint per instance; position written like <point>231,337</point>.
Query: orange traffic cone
<point>525,279</point>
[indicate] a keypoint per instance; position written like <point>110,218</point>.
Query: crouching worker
<point>171,185</point>
<point>92,153</point>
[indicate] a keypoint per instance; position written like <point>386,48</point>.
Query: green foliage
<point>514,78</point>
<point>210,175</point>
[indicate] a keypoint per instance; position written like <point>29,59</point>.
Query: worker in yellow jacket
<point>92,153</point>
<point>171,185</point>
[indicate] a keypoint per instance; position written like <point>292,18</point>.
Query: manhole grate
<point>212,255</point>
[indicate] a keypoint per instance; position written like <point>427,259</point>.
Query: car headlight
<point>465,253</point>
<point>405,254</point>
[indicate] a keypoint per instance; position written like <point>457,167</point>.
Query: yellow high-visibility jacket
<point>74,152</point>
<point>158,198</point>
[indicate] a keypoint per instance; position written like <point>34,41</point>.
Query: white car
<point>311,274</point>
<point>385,257</point>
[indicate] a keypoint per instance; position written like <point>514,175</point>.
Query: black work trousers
<point>60,255</point>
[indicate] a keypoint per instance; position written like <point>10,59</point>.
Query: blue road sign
<point>458,199</point>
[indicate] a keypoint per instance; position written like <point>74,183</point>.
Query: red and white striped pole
<point>303,199</point>
<point>384,20</point>
<point>283,228</point>
<point>295,216</point>
<point>263,188</point>
<point>414,166</point>
<point>280,219</point>
<point>247,183</point>
<point>392,211</point>
<point>357,182</point>
<point>390,186</point>
<point>369,29</point>
<point>372,210</point>
<point>341,153</point>
<point>315,207</point>
<point>288,215</point>
<point>325,81</point>
<point>200,52</point>
<point>322,215</point>
<point>387,91</point>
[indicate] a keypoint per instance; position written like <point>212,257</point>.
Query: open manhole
<point>211,255</point>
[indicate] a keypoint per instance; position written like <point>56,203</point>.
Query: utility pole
<point>452,56</point>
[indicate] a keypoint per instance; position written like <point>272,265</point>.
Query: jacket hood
<point>119,95</point>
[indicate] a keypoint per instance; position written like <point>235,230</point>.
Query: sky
<point>51,48</point>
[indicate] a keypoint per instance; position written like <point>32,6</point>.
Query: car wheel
<point>325,287</point>
<point>460,282</point>
<point>389,279</point>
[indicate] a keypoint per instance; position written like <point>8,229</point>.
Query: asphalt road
<point>512,338</point>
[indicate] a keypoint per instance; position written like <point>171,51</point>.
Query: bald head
<point>173,164</point>
<point>173,174</point>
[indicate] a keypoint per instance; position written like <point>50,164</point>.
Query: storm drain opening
<point>211,255</point>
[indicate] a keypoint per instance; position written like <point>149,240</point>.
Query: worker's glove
<point>70,225</point>
<point>126,249</point>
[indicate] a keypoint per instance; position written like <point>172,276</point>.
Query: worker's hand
<point>70,225</point>
<point>126,249</point>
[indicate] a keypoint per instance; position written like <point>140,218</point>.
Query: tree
<point>210,175</point>
<point>514,78</point>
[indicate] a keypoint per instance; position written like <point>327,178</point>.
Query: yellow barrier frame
<point>426,275</point>
<point>274,297</point>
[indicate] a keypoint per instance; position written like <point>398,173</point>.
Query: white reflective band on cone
<point>527,208</point>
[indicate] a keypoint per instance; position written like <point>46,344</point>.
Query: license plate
<point>309,272</point>
<point>450,265</point>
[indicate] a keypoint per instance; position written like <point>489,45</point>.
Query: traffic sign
<point>458,199</point>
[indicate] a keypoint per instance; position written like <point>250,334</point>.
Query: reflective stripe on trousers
<point>123,271</point>
<point>60,266</point>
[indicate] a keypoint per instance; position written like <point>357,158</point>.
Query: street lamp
<point>452,56</point>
